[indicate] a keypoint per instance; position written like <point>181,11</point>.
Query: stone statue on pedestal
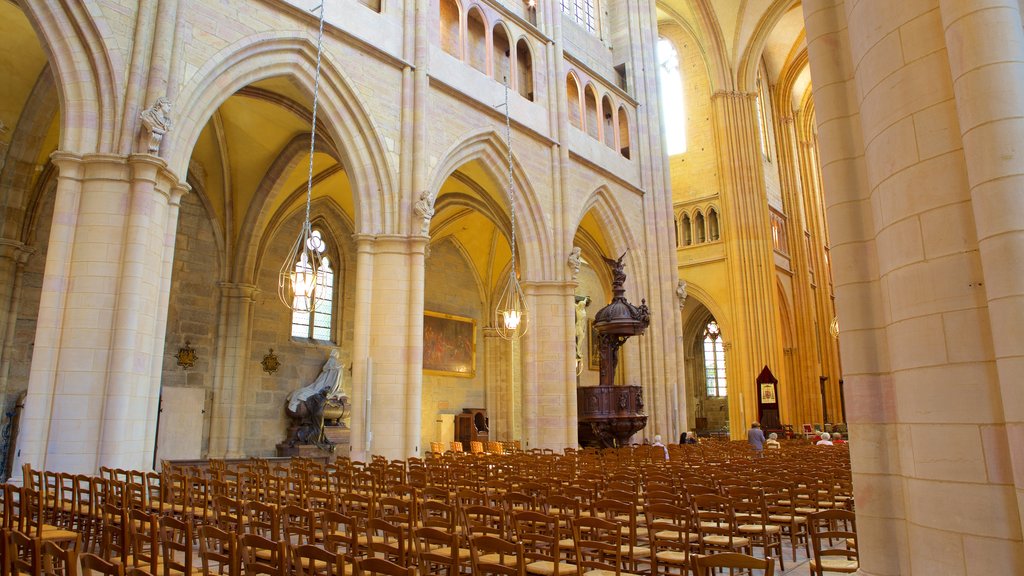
<point>305,406</point>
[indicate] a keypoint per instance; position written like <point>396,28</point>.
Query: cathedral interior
<point>818,202</point>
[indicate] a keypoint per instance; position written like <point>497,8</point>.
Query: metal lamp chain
<point>316,101</point>
<point>511,183</point>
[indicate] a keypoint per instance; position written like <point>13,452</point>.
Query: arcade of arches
<point>841,205</point>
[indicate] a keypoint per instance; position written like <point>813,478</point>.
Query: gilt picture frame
<point>449,345</point>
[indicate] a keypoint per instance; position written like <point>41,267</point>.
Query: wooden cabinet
<point>471,426</point>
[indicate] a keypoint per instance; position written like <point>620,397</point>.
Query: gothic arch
<point>87,72</point>
<point>746,77</point>
<point>608,214</point>
<point>257,220</point>
<point>487,146</point>
<point>710,43</point>
<point>291,54</point>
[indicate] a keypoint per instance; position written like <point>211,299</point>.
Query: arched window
<point>476,40</point>
<point>673,105</point>
<point>524,69</point>
<point>608,122</point>
<point>675,226</point>
<point>501,54</point>
<point>713,233</point>
<point>572,90</point>
<point>451,38</point>
<point>591,106</point>
<point>714,361</point>
<point>762,120</point>
<point>698,223</point>
<point>316,324</point>
<point>623,132</point>
<point>687,231</point>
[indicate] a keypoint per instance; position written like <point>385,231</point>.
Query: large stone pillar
<point>934,487</point>
<point>986,58</point>
<point>92,377</point>
<point>387,355</point>
<point>753,329</point>
<point>498,390</point>
<point>549,366</point>
<point>234,331</point>
<point>13,257</point>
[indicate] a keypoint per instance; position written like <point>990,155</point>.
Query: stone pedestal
<point>302,451</point>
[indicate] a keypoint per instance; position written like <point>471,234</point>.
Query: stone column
<point>753,329</point>
<point>394,347</point>
<point>986,57</point>
<point>498,385</point>
<point>362,368</point>
<point>549,366</point>
<point>934,486</point>
<point>875,444</point>
<point>13,257</point>
<point>92,377</point>
<point>234,331</point>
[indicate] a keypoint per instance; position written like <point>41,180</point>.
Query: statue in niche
<point>424,208</point>
<point>157,121</point>
<point>681,293</point>
<point>306,406</point>
<point>575,261</point>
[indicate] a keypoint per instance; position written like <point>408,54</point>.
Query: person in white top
<point>657,442</point>
<point>826,439</point>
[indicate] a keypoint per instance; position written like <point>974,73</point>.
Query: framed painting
<point>595,350</point>
<point>449,345</point>
<point>768,393</point>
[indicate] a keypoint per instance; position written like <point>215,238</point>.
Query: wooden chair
<point>598,545</point>
<point>493,555</point>
<point>751,513</point>
<point>624,513</point>
<point>299,524</point>
<point>539,535</point>
<point>92,563</point>
<point>145,541</point>
<point>374,566</point>
<point>671,538</point>
<point>31,521</point>
<point>339,533</point>
<point>387,540</point>
<point>713,517</point>
<point>312,560</point>
<point>824,529</point>
<point>263,556</point>
<point>229,514</point>
<point>176,547</point>
<point>782,513</point>
<point>115,540</point>
<point>706,565</point>
<point>438,552</point>
<point>262,520</point>
<point>483,521</point>
<point>22,554</point>
<point>57,561</point>
<point>218,551</point>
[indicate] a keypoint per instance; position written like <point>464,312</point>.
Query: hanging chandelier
<point>300,282</point>
<point>511,314</point>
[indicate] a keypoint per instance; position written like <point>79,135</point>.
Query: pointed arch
<point>609,216</point>
<point>746,77</point>
<point>488,147</point>
<point>592,121</point>
<point>88,73</point>
<point>574,99</point>
<point>501,53</point>
<point>476,39</point>
<point>450,27</point>
<point>287,53</point>
<point>524,69</point>
<point>608,121</point>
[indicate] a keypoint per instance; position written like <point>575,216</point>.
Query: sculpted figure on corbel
<point>424,209</point>
<point>157,121</point>
<point>681,293</point>
<point>575,260</point>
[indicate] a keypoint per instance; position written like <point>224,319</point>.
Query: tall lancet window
<point>673,105</point>
<point>316,323</point>
<point>714,360</point>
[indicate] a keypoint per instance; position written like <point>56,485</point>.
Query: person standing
<point>755,437</point>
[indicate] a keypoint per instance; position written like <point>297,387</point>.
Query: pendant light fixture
<point>300,281</point>
<point>511,314</point>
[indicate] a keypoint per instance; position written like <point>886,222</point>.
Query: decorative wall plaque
<point>187,356</point>
<point>270,362</point>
